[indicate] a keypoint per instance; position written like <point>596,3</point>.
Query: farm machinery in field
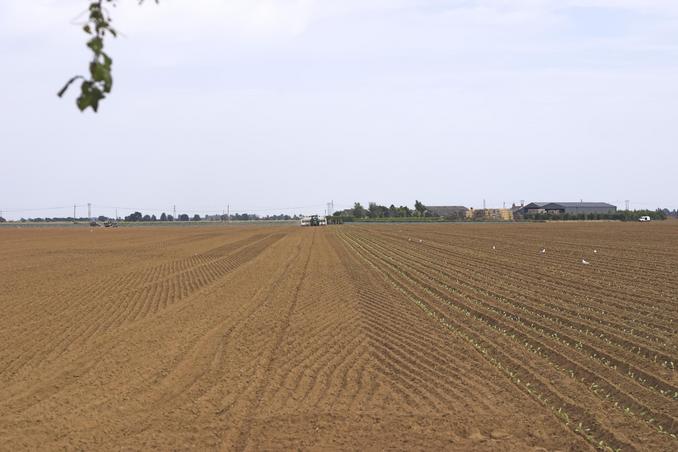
<point>313,220</point>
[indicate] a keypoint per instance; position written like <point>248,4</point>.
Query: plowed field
<point>424,337</point>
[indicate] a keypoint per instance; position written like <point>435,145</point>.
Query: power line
<point>37,209</point>
<point>331,206</point>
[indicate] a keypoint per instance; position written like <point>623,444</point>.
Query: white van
<point>644,218</point>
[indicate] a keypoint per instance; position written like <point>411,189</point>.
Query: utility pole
<point>174,214</point>
<point>228,213</point>
<point>483,204</point>
<point>73,213</point>
<point>89,210</point>
<point>116,214</point>
<point>627,204</point>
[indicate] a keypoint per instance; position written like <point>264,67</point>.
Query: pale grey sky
<point>274,104</point>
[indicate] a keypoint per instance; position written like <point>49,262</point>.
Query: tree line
<point>620,215</point>
<point>164,217</point>
<point>375,210</point>
<point>137,216</point>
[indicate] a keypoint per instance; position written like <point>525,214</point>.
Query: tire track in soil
<point>181,393</point>
<point>243,436</point>
<point>536,277</point>
<point>79,328</point>
<point>347,341</point>
<point>624,367</point>
<point>473,387</point>
<point>429,288</point>
<point>496,354</point>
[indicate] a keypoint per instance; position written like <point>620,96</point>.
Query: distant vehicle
<point>313,220</point>
<point>94,224</point>
<point>644,218</point>
<point>110,224</point>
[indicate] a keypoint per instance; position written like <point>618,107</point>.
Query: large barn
<point>569,207</point>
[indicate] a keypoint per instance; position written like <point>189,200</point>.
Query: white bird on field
<point>595,251</point>
<point>421,241</point>
<point>584,261</point>
<point>543,251</point>
<point>494,247</point>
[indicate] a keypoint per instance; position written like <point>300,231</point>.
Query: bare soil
<point>406,337</point>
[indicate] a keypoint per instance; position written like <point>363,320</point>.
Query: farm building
<point>569,207</point>
<point>448,211</point>
<point>490,214</point>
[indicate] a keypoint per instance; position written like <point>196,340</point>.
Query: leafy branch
<point>99,83</point>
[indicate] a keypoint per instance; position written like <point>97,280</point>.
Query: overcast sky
<point>288,104</point>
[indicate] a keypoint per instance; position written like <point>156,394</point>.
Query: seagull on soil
<point>584,261</point>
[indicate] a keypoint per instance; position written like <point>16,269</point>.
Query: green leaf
<point>89,97</point>
<point>82,102</point>
<point>96,95</point>
<point>96,44</point>
<point>108,61</point>
<point>108,84</point>
<point>99,72</point>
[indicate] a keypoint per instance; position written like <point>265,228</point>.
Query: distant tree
<point>373,209</point>
<point>163,217</point>
<point>358,210</point>
<point>2,220</point>
<point>102,218</point>
<point>420,208</point>
<point>136,216</point>
<point>196,217</point>
<point>146,218</point>
<point>153,218</point>
<point>183,217</point>
<point>377,211</point>
<point>170,218</point>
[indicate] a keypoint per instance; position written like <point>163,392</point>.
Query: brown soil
<point>414,337</point>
